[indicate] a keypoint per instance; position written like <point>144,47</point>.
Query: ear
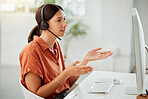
<point>44,25</point>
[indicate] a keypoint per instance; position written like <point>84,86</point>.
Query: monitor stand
<point>131,91</point>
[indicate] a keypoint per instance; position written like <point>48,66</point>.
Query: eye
<point>64,18</point>
<point>59,20</point>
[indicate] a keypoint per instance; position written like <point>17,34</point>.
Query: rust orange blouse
<point>39,59</point>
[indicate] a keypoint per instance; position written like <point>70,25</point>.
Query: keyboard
<point>101,88</point>
<point>106,80</point>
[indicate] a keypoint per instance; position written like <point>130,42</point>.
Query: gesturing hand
<point>95,54</point>
<point>77,70</point>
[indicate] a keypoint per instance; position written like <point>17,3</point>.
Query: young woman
<point>43,71</point>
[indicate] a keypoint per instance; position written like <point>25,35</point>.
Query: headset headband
<point>42,14</point>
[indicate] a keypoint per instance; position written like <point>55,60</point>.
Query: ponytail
<point>34,31</point>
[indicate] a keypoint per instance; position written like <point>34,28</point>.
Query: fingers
<point>78,70</point>
<point>85,69</point>
<point>104,52</point>
<point>109,54</point>
<point>76,62</point>
<point>103,56</point>
<point>96,49</point>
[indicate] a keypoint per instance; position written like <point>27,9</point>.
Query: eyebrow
<point>60,17</point>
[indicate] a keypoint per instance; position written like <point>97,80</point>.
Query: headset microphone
<point>44,25</point>
<point>54,34</point>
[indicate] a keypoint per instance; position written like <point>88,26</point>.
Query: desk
<point>117,92</point>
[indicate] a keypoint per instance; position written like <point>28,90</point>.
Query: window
<point>71,7</point>
<point>22,5</point>
<point>12,6</point>
<point>75,7</point>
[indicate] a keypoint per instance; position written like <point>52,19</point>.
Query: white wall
<point>14,28</point>
<point>110,28</point>
<point>116,29</point>
<point>109,24</point>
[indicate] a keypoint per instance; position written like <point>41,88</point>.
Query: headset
<point>44,25</point>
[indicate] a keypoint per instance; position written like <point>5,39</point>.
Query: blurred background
<point>91,24</point>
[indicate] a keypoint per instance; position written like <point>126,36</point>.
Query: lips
<point>63,30</point>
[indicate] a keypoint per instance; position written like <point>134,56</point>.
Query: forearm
<point>49,88</point>
<point>84,61</point>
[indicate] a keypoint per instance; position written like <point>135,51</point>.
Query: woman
<point>43,71</point>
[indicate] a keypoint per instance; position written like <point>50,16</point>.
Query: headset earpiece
<point>44,25</point>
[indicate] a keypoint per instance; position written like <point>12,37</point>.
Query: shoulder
<point>30,48</point>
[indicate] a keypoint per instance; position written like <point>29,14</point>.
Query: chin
<point>62,34</point>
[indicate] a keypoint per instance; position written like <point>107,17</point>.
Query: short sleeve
<point>30,62</point>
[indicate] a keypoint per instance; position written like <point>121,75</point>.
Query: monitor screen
<point>139,53</point>
<point>139,50</point>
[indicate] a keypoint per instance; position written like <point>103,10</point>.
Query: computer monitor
<point>139,54</point>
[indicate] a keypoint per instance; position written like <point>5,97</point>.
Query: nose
<point>64,24</point>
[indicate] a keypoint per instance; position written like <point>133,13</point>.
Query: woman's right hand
<point>77,70</point>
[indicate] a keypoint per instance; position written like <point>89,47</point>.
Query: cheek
<point>52,27</point>
<point>55,26</point>
<point>55,29</point>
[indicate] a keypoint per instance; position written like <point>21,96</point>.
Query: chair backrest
<point>28,94</point>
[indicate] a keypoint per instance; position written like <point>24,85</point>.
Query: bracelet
<point>58,81</point>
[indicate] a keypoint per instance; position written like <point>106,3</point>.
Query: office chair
<point>28,94</point>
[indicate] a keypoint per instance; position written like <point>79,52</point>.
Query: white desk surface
<point>117,92</point>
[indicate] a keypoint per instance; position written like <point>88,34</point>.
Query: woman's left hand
<point>95,54</point>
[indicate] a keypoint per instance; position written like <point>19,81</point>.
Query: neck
<point>48,38</point>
